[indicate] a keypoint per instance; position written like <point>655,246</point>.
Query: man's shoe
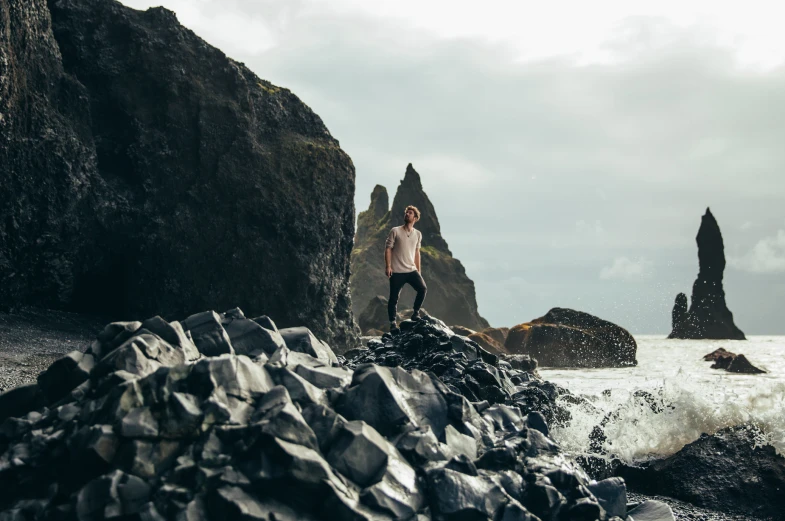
<point>393,327</point>
<point>416,316</point>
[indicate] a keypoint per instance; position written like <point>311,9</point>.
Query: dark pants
<point>397,281</point>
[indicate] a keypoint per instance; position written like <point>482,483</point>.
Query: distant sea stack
<point>451,294</point>
<point>708,316</point>
<point>144,172</point>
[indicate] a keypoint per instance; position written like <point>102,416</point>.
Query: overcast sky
<point>569,148</point>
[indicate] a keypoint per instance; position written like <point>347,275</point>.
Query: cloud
<point>767,256</point>
<point>625,269</point>
<point>515,153</point>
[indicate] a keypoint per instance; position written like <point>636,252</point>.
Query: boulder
<point>699,473</point>
<point>708,316</point>
<point>731,362</point>
<point>569,338</point>
<point>115,151</point>
<point>451,294</point>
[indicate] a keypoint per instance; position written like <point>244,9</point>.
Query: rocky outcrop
<point>569,338</point>
<point>731,362</point>
<point>708,316</point>
<point>451,293</point>
<point>374,316</point>
<point>224,417</point>
<point>734,470</point>
<point>147,173</point>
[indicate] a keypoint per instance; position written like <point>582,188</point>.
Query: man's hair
<point>415,210</point>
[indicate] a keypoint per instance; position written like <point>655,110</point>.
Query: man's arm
<point>388,261</point>
<point>417,259</point>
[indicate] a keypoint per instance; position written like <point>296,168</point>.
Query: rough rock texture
<point>569,338</point>
<point>159,425</point>
<point>733,470</point>
<point>708,316</point>
<point>374,316</point>
<point>451,293</point>
<point>147,173</point>
<point>731,362</point>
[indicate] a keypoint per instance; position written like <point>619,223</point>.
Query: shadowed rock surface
<point>731,362</point>
<point>733,470</point>
<point>708,316</point>
<point>147,173</point>
<point>569,338</point>
<point>153,422</point>
<point>451,293</point>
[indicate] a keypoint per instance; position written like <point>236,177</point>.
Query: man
<point>402,261</point>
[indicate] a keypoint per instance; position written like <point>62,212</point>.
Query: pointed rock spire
<point>410,192</point>
<point>709,316</point>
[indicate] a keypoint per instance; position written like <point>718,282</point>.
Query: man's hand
<point>388,271</point>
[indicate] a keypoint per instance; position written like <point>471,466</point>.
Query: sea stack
<point>451,294</point>
<point>708,316</point>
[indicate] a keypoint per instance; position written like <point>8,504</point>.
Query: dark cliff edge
<point>708,316</point>
<point>451,294</point>
<point>147,173</point>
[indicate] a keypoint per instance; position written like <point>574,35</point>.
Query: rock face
<point>569,338</point>
<point>699,473</point>
<point>224,417</point>
<point>708,316</point>
<point>451,293</point>
<point>147,173</point>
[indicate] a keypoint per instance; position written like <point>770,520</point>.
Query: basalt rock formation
<point>708,316</point>
<point>731,362</point>
<point>224,417</point>
<point>144,172</point>
<point>699,473</point>
<point>451,293</point>
<point>569,338</point>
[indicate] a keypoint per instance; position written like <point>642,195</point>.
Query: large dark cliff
<point>451,295</point>
<point>708,316</point>
<point>147,173</point>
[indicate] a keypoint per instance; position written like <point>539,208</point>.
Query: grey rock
<point>325,377</point>
<point>460,443</point>
<point>301,339</point>
<point>299,388</point>
<point>65,374</point>
<point>208,334</point>
<point>182,416</point>
<point>250,339</point>
<point>359,453</point>
<point>457,496</point>
<point>277,416</point>
<point>112,495</point>
<point>237,375</point>
<point>139,423</point>
<point>612,495</point>
<point>651,511</point>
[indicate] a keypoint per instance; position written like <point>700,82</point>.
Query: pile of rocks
<point>224,417</point>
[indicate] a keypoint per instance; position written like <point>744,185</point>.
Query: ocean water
<point>690,397</point>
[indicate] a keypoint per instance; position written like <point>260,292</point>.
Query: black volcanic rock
<point>451,294</point>
<point>708,316</point>
<point>197,435</point>
<point>146,173</point>
<point>734,470</point>
<point>567,338</point>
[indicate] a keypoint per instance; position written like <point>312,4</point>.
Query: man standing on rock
<point>402,261</point>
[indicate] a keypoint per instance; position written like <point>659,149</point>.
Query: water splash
<point>675,414</point>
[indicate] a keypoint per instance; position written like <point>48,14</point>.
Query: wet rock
<point>456,496</point>
<point>301,340</point>
<point>698,473</point>
<point>208,333</point>
<point>651,511</point>
<point>612,495</point>
<point>359,453</point>
<point>568,338</point>
<point>740,364</point>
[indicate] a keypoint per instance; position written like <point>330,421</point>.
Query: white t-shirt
<point>404,245</point>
